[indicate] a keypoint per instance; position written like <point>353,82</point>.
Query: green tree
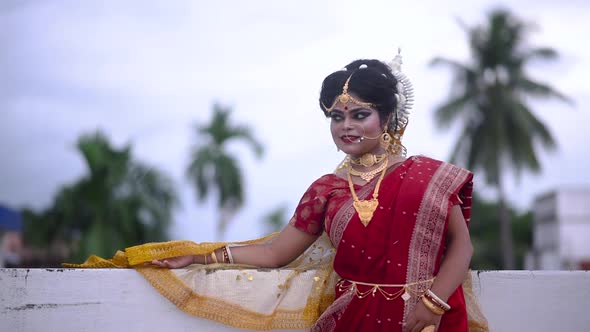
<point>213,168</point>
<point>489,99</point>
<point>118,203</point>
<point>485,235</point>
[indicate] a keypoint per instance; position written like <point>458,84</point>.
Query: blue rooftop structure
<point>10,219</point>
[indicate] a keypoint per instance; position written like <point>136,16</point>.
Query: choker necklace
<point>366,208</point>
<point>367,176</point>
<point>369,159</point>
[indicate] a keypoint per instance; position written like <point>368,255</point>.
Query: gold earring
<point>385,140</point>
<point>397,148</point>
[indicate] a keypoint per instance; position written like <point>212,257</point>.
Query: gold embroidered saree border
<point>171,287</point>
<point>431,218</point>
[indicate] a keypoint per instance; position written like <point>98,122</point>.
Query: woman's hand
<point>175,262</point>
<point>420,318</point>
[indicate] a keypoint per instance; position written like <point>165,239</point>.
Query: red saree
<point>403,244</point>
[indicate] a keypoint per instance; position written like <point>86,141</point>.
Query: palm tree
<point>118,203</point>
<point>489,98</point>
<point>212,168</point>
<point>485,234</point>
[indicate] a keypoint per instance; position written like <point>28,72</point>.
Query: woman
<point>398,225</point>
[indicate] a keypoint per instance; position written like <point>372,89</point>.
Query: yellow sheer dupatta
<point>292,297</point>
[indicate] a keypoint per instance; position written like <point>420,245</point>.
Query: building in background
<point>11,240</point>
<point>561,231</point>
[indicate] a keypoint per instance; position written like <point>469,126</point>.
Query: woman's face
<point>356,129</point>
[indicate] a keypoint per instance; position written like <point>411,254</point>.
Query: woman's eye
<point>360,116</point>
<point>336,117</point>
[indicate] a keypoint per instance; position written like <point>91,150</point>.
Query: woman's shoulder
<point>439,173</point>
<point>323,186</point>
<point>422,159</point>
<point>329,179</point>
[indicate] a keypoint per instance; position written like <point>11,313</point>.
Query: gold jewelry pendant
<point>365,209</point>
<point>369,159</point>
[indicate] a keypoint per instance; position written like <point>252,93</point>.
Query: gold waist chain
<point>406,291</point>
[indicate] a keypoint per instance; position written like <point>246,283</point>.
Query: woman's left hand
<point>420,318</point>
<point>174,262</point>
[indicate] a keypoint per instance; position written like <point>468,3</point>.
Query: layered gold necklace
<point>369,159</point>
<point>366,208</point>
<point>367,176</point>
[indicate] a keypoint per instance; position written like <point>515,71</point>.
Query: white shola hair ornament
<point>405,95</point>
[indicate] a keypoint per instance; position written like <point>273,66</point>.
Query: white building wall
<point>561,230</point>
<point>550,260</point>
<point>575,242</point>
<point>573,203</point>
<point>545,236</point>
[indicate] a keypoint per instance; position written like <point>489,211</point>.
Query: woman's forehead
<point>351,107</point>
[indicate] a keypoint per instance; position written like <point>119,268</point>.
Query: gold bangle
<point>214,257</point>
<point>429,328</point>
<point>432,307</point>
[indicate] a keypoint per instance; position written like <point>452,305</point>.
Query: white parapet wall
<point>121,300</point>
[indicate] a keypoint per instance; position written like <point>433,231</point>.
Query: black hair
<point>373,84</point>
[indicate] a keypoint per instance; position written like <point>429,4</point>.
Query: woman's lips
<point>349,139</point>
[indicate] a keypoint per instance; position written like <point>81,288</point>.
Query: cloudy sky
<point>146,72</point>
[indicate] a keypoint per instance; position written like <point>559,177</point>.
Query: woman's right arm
<point>301,232</point>
<point>288,245</point>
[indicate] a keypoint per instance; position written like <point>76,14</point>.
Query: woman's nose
<point>347,123</point>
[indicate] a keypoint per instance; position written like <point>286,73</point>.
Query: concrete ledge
<point>117,300</point>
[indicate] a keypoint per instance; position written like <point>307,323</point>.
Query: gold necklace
<point>369,159</point>
<point>367,176</point>
<point>366,208</point>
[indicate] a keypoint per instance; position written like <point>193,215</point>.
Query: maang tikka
<point>345,98</point>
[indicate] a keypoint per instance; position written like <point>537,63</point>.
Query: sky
<point>147,72</point>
